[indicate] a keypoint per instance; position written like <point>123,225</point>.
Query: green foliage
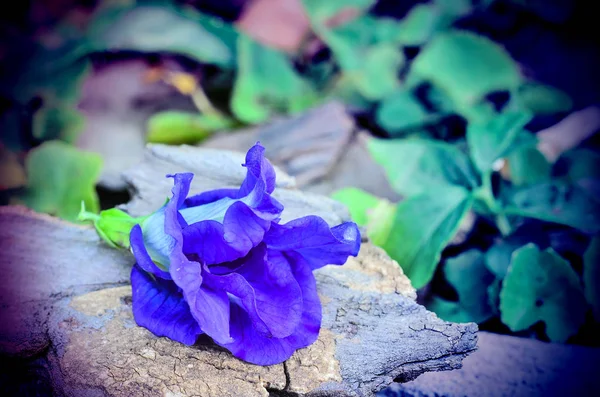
<point>591,275</point>
<point>557,202</point>
<point>471,279</point>
<point>414,166</point>
<point>376,214</point>
<point>358,202</point>
<point>155,29</point>
<point>466,66</point>
<point>320,12</point>
<point>442,181</point>
<point>423,226</point>
<point>266,82</point>
<point>528,166</point>
<point>419,25</point>
<point>59,178</point>
<point>543,99</point>
<point>400,111</point>
<point>449,310</point>
<point>492,140</point>
<point>542,286</point>
<point>173,127</point>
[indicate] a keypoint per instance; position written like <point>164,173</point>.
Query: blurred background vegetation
<point>475,107</point>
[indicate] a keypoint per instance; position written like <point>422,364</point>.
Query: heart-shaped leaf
<point>542,286</point>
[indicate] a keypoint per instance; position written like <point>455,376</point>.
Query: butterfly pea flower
<point>221,263</point>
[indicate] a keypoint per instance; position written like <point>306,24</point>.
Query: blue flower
<point>220,263</point>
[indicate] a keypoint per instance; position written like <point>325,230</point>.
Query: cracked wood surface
<point>70,295</point>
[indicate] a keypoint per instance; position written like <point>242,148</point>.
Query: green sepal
<point>112,225</point>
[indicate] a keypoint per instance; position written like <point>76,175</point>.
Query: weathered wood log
<point>321,148</point>
<point>67,308</point>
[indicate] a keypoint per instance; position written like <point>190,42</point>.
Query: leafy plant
<point>514,278</point>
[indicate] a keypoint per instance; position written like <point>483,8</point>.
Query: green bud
<point>113,225</point>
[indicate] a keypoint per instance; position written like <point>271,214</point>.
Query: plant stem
<point>503,224</point>
<point>202,102</point>
<point>486,194</point>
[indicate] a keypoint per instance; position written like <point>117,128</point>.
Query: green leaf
<point>378,74</point>
<point>423,226</point>
<point>419,24</point>
<point>372,67</point>
<point>58,122</point>
<point>345,90</point>
<point>542,286</point>
<point>414,166</point>
<point>491,140</point>
<point>449,310</point>
<point>54,75</point>
<point>400,111</point>
<point>266,82</point>
<point>376,214</point>
<point>466,66</point>
<point>499,255</point>
<point>321,11</point>
<point>527,166</point>
<point>60,177</point>
<point>493,293</point>
<point>358,202</point>
<point>543,99</point>
<point>59,93</point>
<point>175,127</point>
<point>380,222</point>
<point>558,202</point>
<point>580,163</point>
<point>143,29</point>
<point>470,278</point>
<point>581,167</point>
<point>591,275</point>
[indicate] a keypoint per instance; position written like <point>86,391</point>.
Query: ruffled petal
<point>268,292</point>
<point>206,241</point>
<point>209,197</point>
<point>310,323</point>
<point>143,259</point>
<point>254,347</point>
<point>160,307</point>
<point>312,238</point>
<point>209,307</point>
<point>259,168</point>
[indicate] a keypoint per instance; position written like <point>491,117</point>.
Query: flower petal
<point>209,307</point>
<point>268,292</point>
<point>160,307</point>
<point>141,255</point>
<point>312,238</point>
<point>257,348</point>
<point>206,240</point>
<point>259,168</point>
<point>209,197</point>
